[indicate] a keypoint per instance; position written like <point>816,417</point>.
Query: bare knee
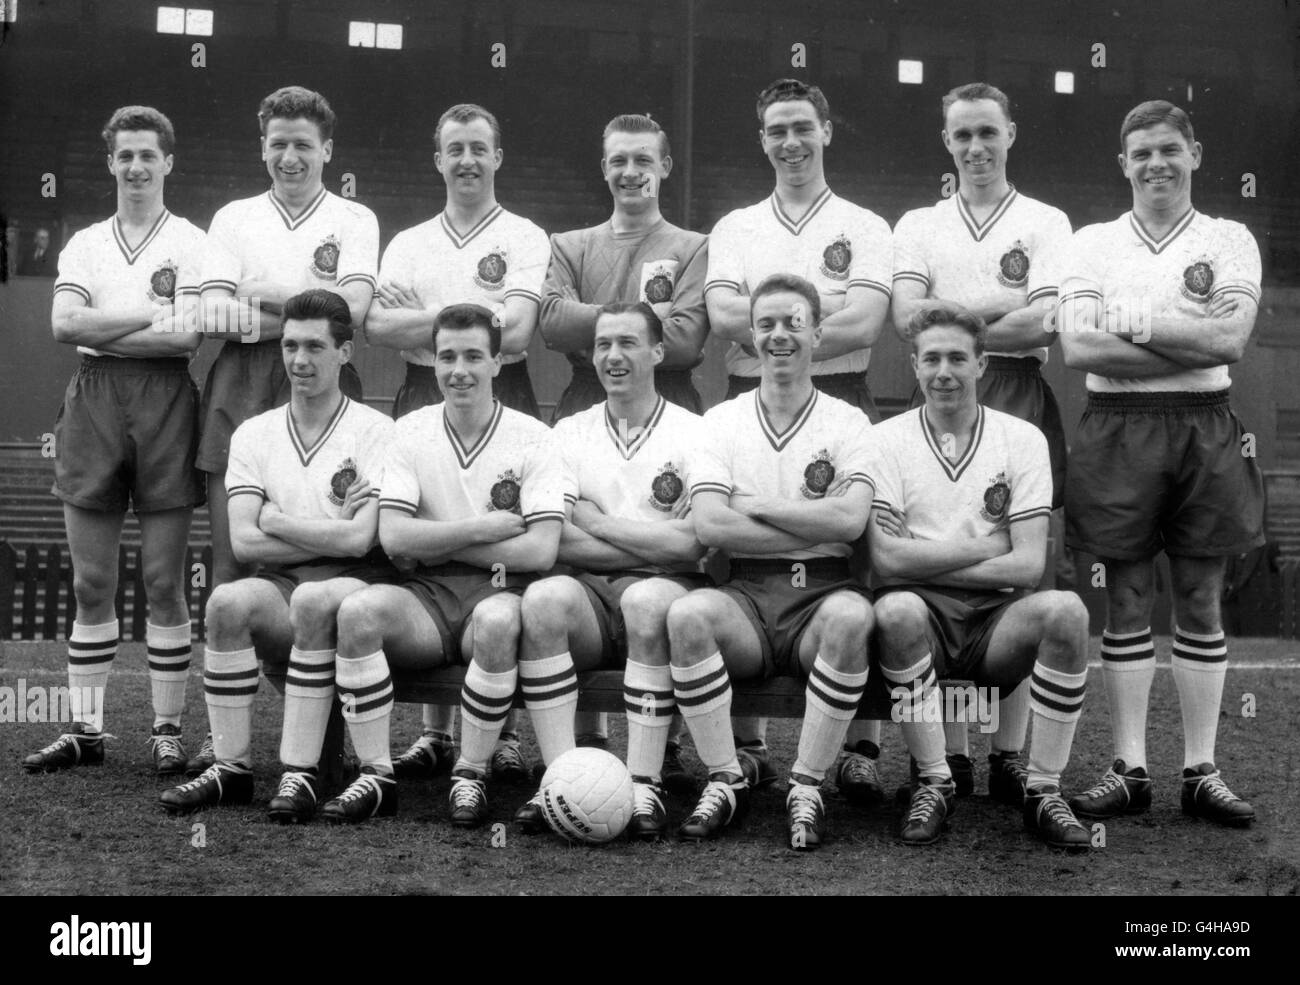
<point>1065,623</point>
<point>94,585</point>
<point>313,609</point>
<point>496,626</point>
<point>645,611</point>
<point>550,606</point>
<point>360,620</point>
<point>690,628</point>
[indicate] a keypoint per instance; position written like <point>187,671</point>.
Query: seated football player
<point>303,502</point>
<point>634,550</point>
<point>777,481</point>
<point>958,540</point>
<point>472,502</point>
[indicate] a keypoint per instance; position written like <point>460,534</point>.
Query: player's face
<point>624,357</point>
<point>469,158</point>
<point>947,368</point>
<point>633,169</point>
<point>794,140</point>
<point>295,155</point>
<point>138,164</point>
<point>311,359</point>
<point>1158,163</point>
<point>978,136</point>
<point>465,366</point>
<point>784,335</point>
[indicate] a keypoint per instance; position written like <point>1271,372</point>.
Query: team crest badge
<point>325,260</point>
<point>491,270</point>
<point>343,477</point>
<point>505,493</point>
<point>836,258</point>
<point>818,476</point>
<point>1013,268</point>
<point>162,282</point>
<point>666,489</point>
<point>997,497</point>
<point>1198,280</point>
<point>659,288</point>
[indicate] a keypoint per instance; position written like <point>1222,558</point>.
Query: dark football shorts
<point>247,379</point>
<point>449,592</point>
<point>778,610</point>
<point>605,593</point>
<point>849,387</point>
<point>374,569</point>
<point>961,624</point>
<point>1152,472</point>
<point>127,431</point>
<point>512,387</point>
<point>584,390</point>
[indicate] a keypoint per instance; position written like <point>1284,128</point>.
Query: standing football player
<point>127,432</point>
<point>1154,307</point>
<point>996,253</point>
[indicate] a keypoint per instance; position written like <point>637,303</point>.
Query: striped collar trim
<point>1158,245</point>
<point>954,471</point>
<point>778,439</point>
<point>619,432</point>
<point>461,240</point>
<point>289,221</point>
<point>307,453</point>
<point>979,230</point>
<point>132,254</point>
<point>466,456</point>
<point>797,227</point>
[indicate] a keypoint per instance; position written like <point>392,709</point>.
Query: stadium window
<point>910,72</point>
<point>198,21</point>
<point>1065,82</point>
<point>182,20</point>
<point>171,20</point>
<point>10,11</point>
<point>361,34</point>
<point>388,36</point>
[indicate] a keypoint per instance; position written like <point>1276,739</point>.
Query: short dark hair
<point>944,315</point>
<point>780,283</point>
<point>977,90</point>
<point>635,123</point>
<point>139,118</point>
<point>293,103</point>
<point>320,303</point>
<point>654,327</point>
<point>461,316</point>
<point>1152,113</point>
<point>463,113</point>
<point>788,90</point>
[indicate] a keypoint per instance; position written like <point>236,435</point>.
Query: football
<point>587,796</point>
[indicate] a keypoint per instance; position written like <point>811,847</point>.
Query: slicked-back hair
<point>782,283</point>
<point>463,113</point>
<point>977,90</point>
<point>320,303</point>
<point>461,316</point>
<point>945,315</point>
<point>1152,113</point>
<point>139,118</point>
<point>635,123</point>
<point>654,327</point>
<point>789,90</point>
<point>297,103</point>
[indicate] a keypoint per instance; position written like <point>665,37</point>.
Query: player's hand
<point>840,486</point>
<point>394,295</point>
<point>355,498</point>
<point>500,525</point>
<point>1224,306</point>
<point>893,523</point>
<point>269,518</point>
<point>159,317</point>
<point>403,563</point>
<point>587,516</point>
<point>746,504</point>
<point>748,349</point>
<point>682,506</point>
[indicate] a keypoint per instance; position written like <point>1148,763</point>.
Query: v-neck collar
<point>289,221</point>
<point>954,471</point>
<point>130,253</point>
<point>466,456</point>
<point>797,227</point>
<point>779,439</point>
<point>461,240</point>
<point>628,449</point>
<point>1157,246</point>
<point>978,230</point>
<point>305,452</point>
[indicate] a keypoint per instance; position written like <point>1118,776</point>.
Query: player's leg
<point>833,656</point>
<point>905,645</point>
<point>711,638</point>
<point>224,566</point>
<point>1128,664</point>
<point>1200,662</point>
<point>93,537</point>
<point>164,537</point>
<point>1044,638</point>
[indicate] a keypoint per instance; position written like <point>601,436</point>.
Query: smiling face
<point>795,140</point>
<point>784,335</point>
<point>138,164</point>
<point>468,159</point>
<point>1158,162</point>
<point>311,359</point>
<point>295,156</point>
<point>624,357</point>
<point>978,136</point>
<point>634,168</point>
<point>947,369</point>
<point>465,366</point>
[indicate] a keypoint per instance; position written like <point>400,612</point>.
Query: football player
<point>474,251</point>
<point>958,541</point>
<point>777,481</point>
<point>995,252</point>
<point>302,484</point>
<point>631,544</point>
<point>1155,306</point>
<point>472,495</point>
<point>126,433</point>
